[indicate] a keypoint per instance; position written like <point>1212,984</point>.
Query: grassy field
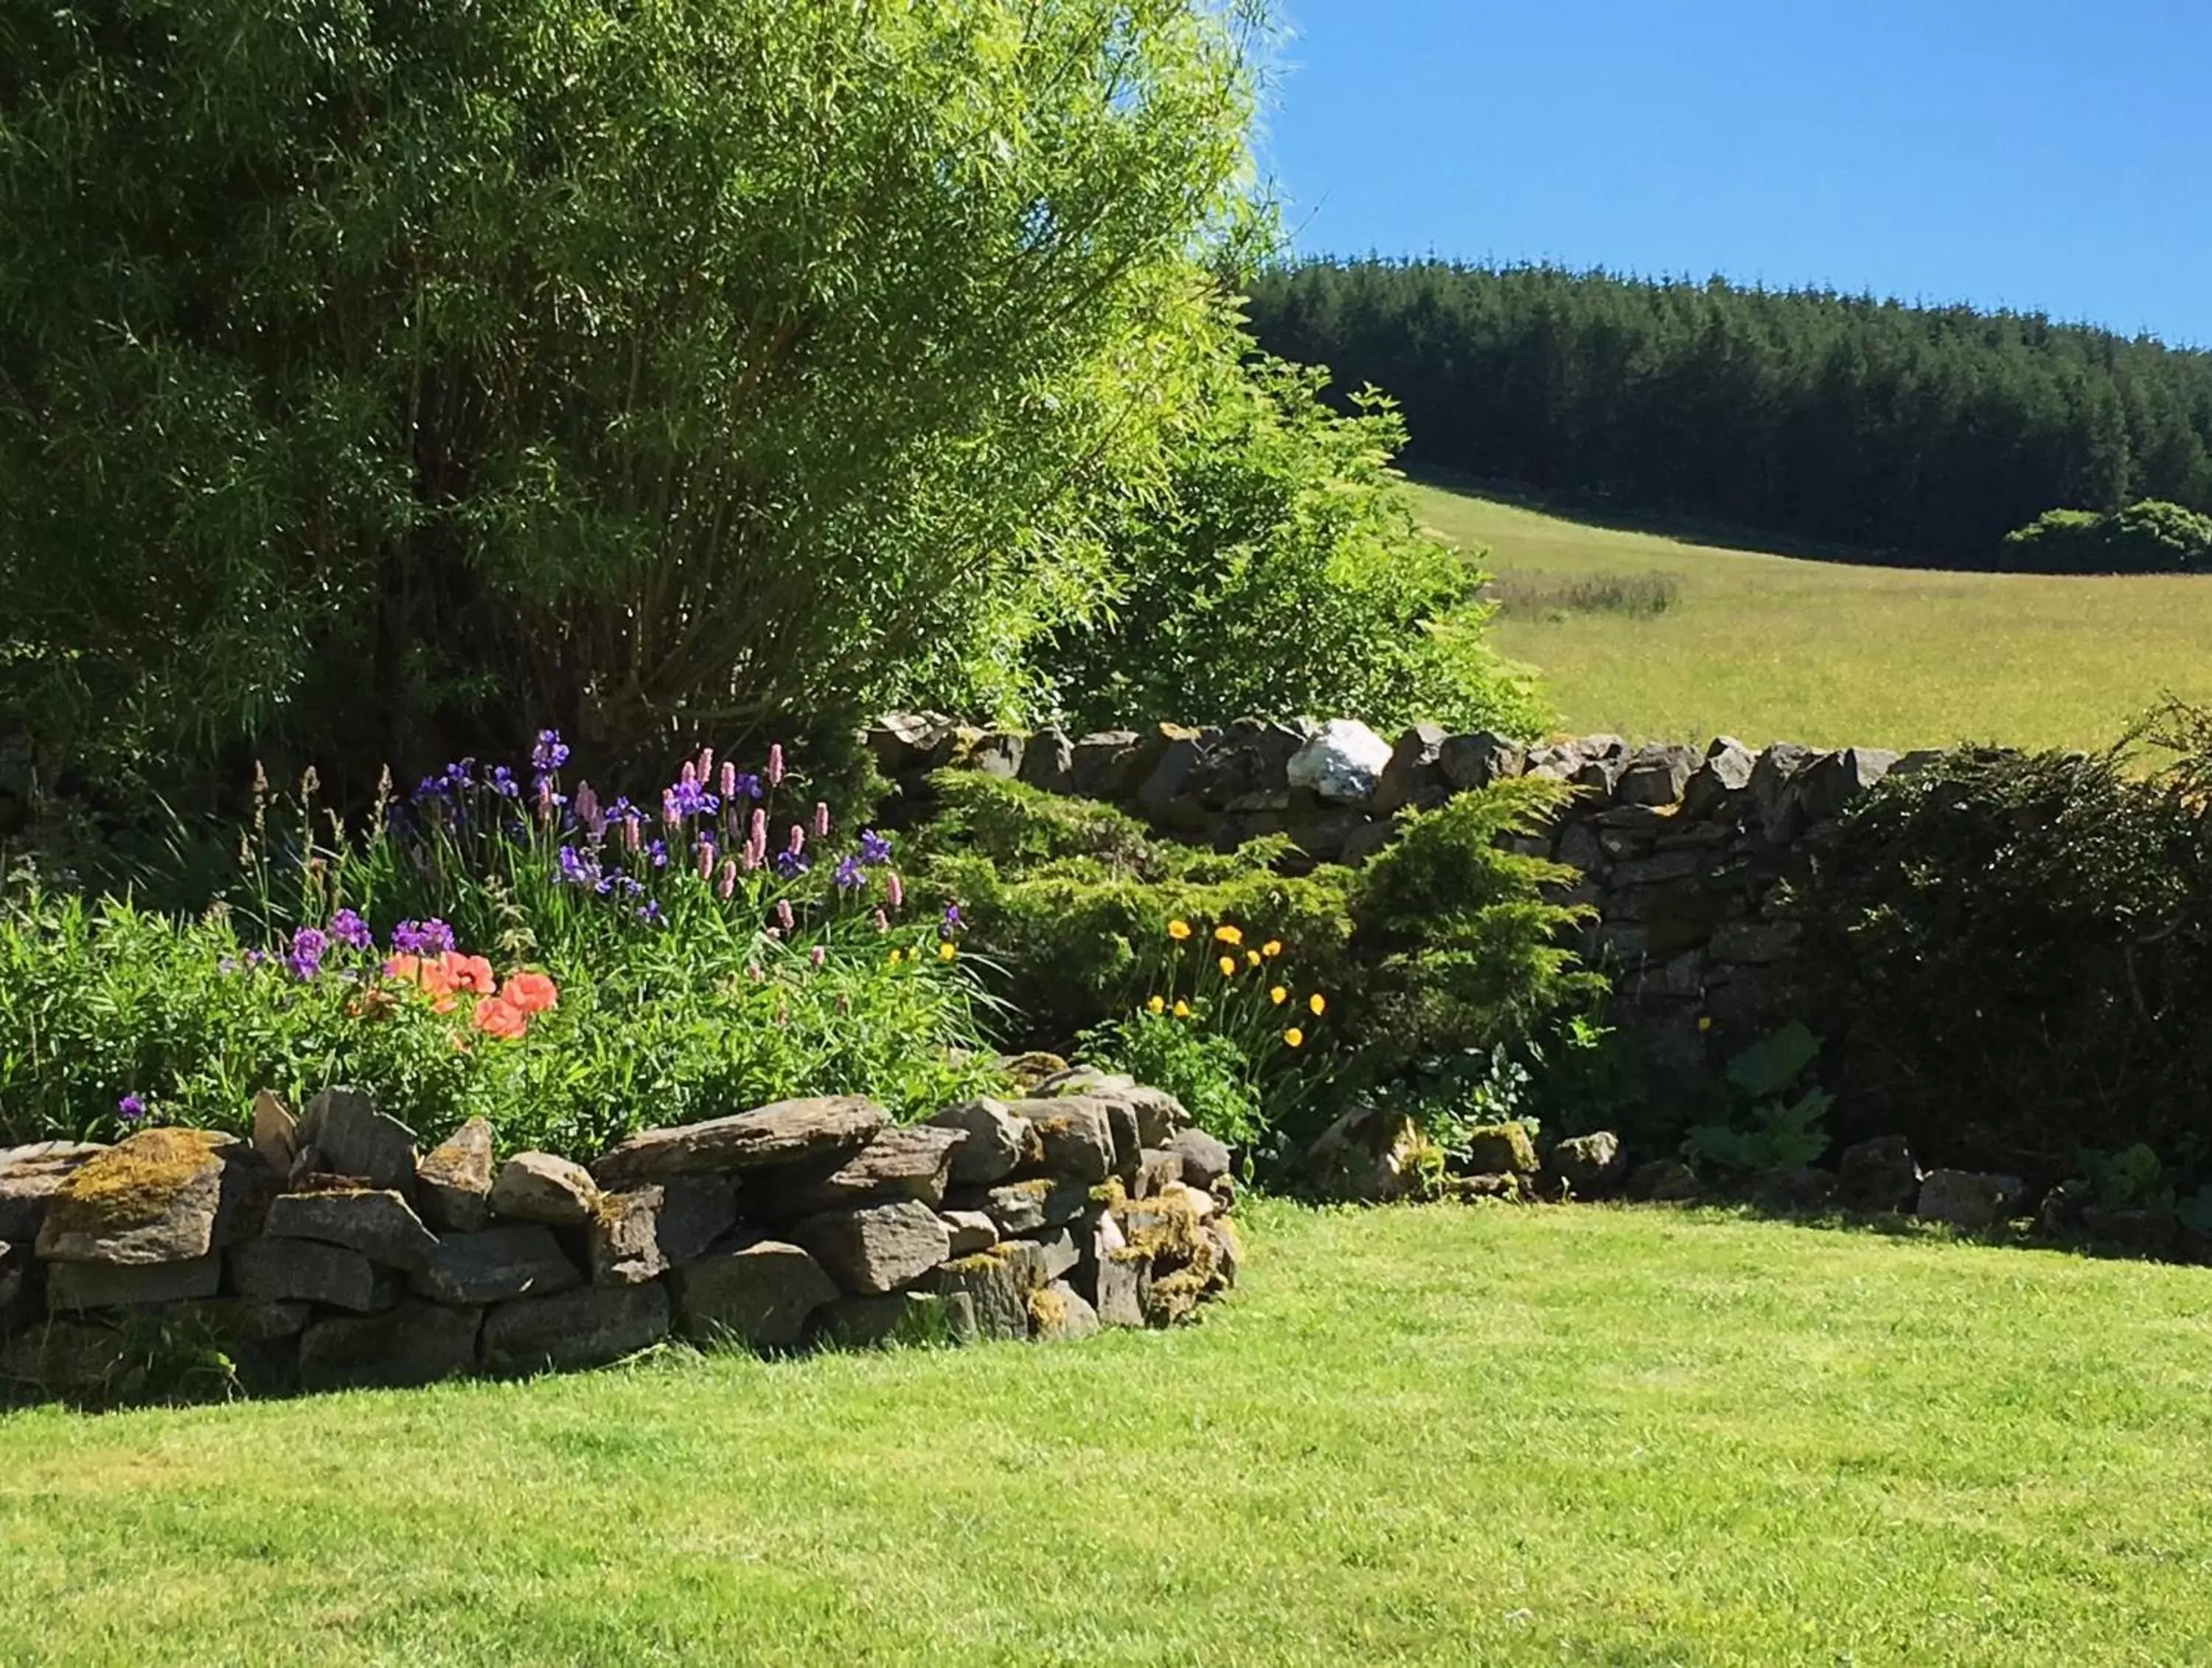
<point>1440,1435</point>
<point>1771,648</point>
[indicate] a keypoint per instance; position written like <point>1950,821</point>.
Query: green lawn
<point>1774,648</point>
<point>1444,1435</point>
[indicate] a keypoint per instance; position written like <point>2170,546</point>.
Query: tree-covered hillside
<point>1931,432</point>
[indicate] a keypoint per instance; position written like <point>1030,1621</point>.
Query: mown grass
<point>1774,648</point>
<point>1441,1435</point>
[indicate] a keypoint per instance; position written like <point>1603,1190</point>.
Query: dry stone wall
<point>331,1251</point>
<point>1681,850</point>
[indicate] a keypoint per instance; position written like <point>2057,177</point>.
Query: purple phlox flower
<point>894,889</point>
<point>775,765</point>
<point>783,915</point>
<point>503,782</point>
<point>875,848</point>
<point>549,754</point>
<point>131,1109</point>
<point>348,928</point>
<point>578,868</point>
<point>791,865</point>
<point>657,854</point>
<point>305,957</point>
<point>798,839</point>
<point>745,786</point>
<point>821,819</point>
<point>849,876</point>
<point>818,955</point>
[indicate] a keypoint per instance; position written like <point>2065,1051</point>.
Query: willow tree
<point>392,373</point>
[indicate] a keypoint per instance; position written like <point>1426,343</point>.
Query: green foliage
<point>1281,571</point>
<point>1760,1130</point>
<point>2012,956</point>
<point>1205,1069</point>
<point>414,366</point>
<point>1927,432</point>
<point>682,994</point>
<point>2127,1178</point>
<point>2146,538</point>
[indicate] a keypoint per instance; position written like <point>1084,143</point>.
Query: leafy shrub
<point>2147,538</point>
<point>1762,1129</point>
<point>648,367</point>
<point>1444,942</point>
<point>1281,571</point>
<point>1204,1069</point>
<point>2012,958</point>
<point>701,961</point>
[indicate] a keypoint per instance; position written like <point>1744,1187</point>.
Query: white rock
<point>1342,764</point>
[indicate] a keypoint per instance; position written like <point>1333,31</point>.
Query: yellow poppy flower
<point>1252,957</point>
<point>1295,1037</point>
<point>1182,1010</point>
<point>1228,967</point>
<point>1278,996</point>
<point>896,955</point>
<point>1705,1022</point>
<point>946,952</point>
<point>1178,930</point>
<point>1272,948</point>
<point>1318,1003</point>
<point>1157,1005</point>
<point>1228,935</point>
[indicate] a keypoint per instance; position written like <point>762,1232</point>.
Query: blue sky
<point>2044,155</point>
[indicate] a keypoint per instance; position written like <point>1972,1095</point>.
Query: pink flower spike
<point>897,889</point>
<point>775,765</point>
<point>706,860</point>
<point>705,765</point>
<point>668,811</point>
<point>633,833</point>
<point>729,780</point>
<point>690,774</point>
<point>818,955</point>
<point>798,839</point>
<point>821,819</point>
<point>729,883</point>
<point>753,973</point>
<point>751,857</point>
<point>783,915</point>
<point>760,832</point>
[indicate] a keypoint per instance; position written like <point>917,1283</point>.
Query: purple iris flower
<point>348,928</point>
<point>875,848</point>
<point>849,877</point>
<point>651,913</point>
<point>549,754</point>
<point>688,799</point>
<point>952,917</point>
<point>577,870</point>
<point>791,864</point>
<point>746,787</point>
<point>504,784</point>
<point>131,1109</point>
<point>657,854</point>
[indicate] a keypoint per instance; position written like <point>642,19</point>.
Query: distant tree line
<point>1928,433</point>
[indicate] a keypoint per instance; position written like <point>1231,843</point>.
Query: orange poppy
<point>532,992</point>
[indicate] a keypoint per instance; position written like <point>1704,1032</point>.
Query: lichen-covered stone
<point>454,1180</point>
<point>1026,1205</point>
<point>1058,1311</point>
<point>1169,1227</point>
<point>762,1296</point>
<point>1118,1277</point>
<point>1371,1156</point>
<point>498,1265</point>
<point>969,1231</point>
<point>1026,1071</point>
<point>914,1162</point>
<point>152,1198</point>
<point>1228,1252</point>
<point>375,1222</point>
<point>785,1132</point>
<point>1501,1149</point>
<point>76,1286</point>
<point>62,1357</point>
<point>29,1176</point>
<point>276,1134</point>
<point>1040,1260</point>
<point>624,1238</point>
<point>589,1327</point>
<point>998,1142</point>
<point>1205,1158</point>
<point>875,1249</point>
<point>538,1187</point>
<point>1156,1168</point>
<point>342,1134</point>
<point>1075,1136</point>
<point>412,1343</point>
<point>996,1291</point>
<point>1587,1167</point>
<point>292,1270</point>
